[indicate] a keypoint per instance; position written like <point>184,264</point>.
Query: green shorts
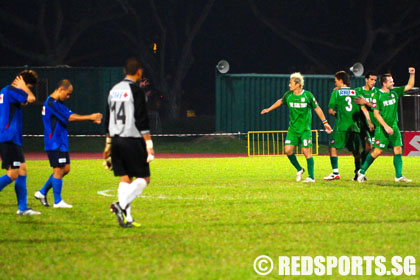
<point>383,139</point>
<point>348,139</point>
<point>304,139</point>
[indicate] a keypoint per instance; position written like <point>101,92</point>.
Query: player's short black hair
<point>132,65</point>
<point>29,76</point>
<point>384,77</point>
<point>344,76</point>
<point>369,73</point>
<point>64,84</point>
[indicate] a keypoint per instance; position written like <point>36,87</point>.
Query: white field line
<point>106,192</point>
<point>112,193</point>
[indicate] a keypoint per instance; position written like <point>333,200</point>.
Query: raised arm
<point>411,80</point>
<point>276,105</point>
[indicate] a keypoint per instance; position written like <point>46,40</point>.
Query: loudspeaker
<point>222,66</point>
<point>357,69</point>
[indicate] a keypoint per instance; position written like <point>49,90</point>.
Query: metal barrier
<point>271,143</point>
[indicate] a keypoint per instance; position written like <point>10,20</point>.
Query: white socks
<point>128,192</point>
<point>123,189</point>
<point>128,214</point>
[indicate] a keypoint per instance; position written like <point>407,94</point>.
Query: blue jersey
<point>11,114</point>
<point>55,116</point>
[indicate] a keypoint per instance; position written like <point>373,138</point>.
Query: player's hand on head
<point>18,82</point>
<point>411,70</point>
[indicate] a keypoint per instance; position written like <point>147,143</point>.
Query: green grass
<point>209,219</point>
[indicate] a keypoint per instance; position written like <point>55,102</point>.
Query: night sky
<point>232,32</point>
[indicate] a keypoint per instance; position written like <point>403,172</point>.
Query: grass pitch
<point>209,219</point>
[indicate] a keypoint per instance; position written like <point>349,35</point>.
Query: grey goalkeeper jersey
<point>126,111</point>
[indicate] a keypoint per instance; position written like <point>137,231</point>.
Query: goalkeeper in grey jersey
<point>128,141</point>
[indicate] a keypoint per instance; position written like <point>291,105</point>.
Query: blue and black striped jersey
<point>11,99</point>
<point>55,116</point>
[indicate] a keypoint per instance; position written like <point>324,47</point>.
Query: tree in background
<point>329,32</point>
<point>44,32</point>
<point>161,33</point>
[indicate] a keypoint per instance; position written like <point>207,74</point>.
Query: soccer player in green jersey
<point>300,103</point>
<point>367,129</point>
<point>387,133</point>
<point>346,130</point>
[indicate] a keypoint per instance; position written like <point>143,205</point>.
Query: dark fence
<point>241,97</point>
<point>91,86</point>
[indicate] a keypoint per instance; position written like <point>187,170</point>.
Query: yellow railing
<point>268,143</point>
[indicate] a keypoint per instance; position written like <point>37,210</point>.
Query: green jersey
<point>369,96</point>
<point>348,112</point>
<point>387,104</point>
<point>300,108</point>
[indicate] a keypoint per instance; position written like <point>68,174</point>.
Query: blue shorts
<point>58,159</point>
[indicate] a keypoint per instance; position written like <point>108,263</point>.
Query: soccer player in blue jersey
<point>12,97</point>
<point>55,116</point>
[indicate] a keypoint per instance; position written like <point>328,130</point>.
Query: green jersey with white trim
<point>300,110</point>
<point>387,104</point>
<point>347,112</point>
<point>369,96</point>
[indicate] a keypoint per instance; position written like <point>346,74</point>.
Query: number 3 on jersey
<point>348,108</point>
<point>119,114</point>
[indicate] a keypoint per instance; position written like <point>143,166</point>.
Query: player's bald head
<point>64,84</point>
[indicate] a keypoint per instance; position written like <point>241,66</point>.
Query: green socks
<point>334,164</point>
<point>369,160</point>
<point>398,165</point>
<point>294,161</point>
<point>311,166</point>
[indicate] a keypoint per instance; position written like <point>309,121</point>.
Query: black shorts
<point>129,157</point>
<point>58,159</point>
<point>365,134</point>
<point>353,142</point>
<point>11,155</point>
